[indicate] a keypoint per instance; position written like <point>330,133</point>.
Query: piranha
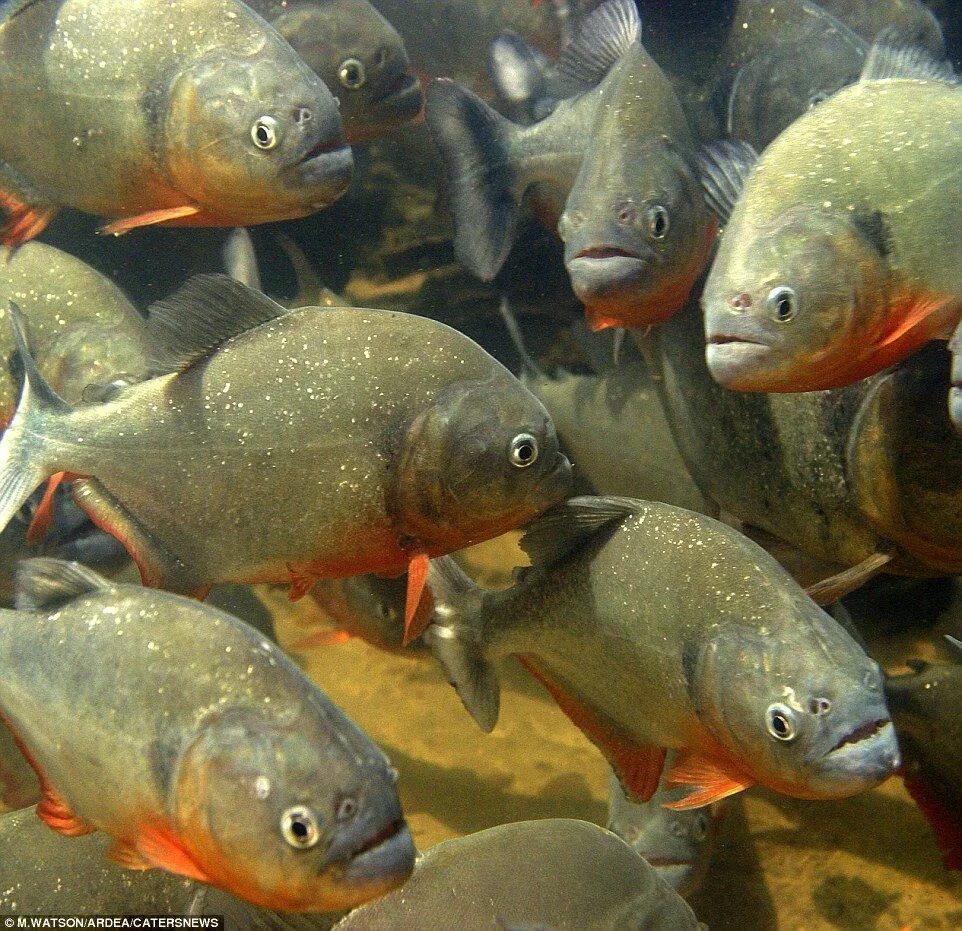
<point>678,844</point>
<point>192,112</point>
<point>289,446</point>
<point>510,876</point>
<point>246,777</point>
<point>925,708</point>
<point>841,255</point>
<point>635,226</point>
<point>658,629</point>
<point>491,162</point>
<point>357,53</point>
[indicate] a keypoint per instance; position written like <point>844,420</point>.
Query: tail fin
<point>474,144</point>
<point>24,460</point>
<point>456,640</point>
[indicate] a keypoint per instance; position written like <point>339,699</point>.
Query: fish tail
<point>475,146</point>
<point>455,637</point>
<point>27,449</point>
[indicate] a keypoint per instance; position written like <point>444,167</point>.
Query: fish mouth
<point>555,485</point>
<point>862,733</point>
<point>606,252</point>
<point>669,863</point>
<point>608,274</point>
<point>329,166</point>
<point>387,855</point>
<point>404,90</point>
<point>738,361</point>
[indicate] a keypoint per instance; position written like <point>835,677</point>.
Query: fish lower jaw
<point>384,860</point>
<point>739,364</point>
<point>860,760</point>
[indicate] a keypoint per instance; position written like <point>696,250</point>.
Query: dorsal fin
<point>896,55</point>
<point>204,314</point>
<point>599,40</point>
<point>724,168</point>
<point>45,583</point>
<point>565,528</point>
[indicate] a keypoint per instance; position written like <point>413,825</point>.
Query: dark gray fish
<point>678,844</point>
<point>554,873</point>
<point>843,475</point>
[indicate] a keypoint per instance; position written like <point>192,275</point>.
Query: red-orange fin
<point>946,824</point>
<point>415,622</point>
<point>159,846</point>
<point>914,313</point>
<point>151,218</point>
<point>23,221</point>
<point>302,581</point>
<point>325,638</point>
<point>128,856</point>
<point>637,765</point>
<point>713,778</point>
<point>43,516</point>
<point>54,812</point>
<point>51,809</point>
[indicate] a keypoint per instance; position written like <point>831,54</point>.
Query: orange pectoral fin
<point>43,516</point>
<point>714,779</point>
<point>157,845</point>
<point>24,221</point>
<point>302,582</point>
<point>911,315</point>
<point>325,638</point>
<point>415,622</point>
<point>151,218</point>
<point>637,765</point>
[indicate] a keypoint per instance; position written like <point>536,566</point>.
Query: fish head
<point>257,138</point>
<point>776,88</point>
<point>790,303</point>
<point>482,460</point>
<point>803,711</point>
<point>636,241</point>
<point>361,57</point>
<point>299,813</point>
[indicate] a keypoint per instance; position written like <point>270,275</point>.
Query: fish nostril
<point>741,301</point>
<point>302,115</point>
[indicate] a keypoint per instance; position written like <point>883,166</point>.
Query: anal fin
<point>637,765</point>
<point>159,568</point>
<point>52,809</point>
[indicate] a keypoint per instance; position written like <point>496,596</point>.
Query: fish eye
<point>299,827</point>
<point>264,132</point>
<point>351,73</point>
<point>657,219</point>
<point>524,451</point>
<point>780,721</point>
<point>782,304</point>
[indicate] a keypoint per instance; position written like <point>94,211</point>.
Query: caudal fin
<point>474,141</point>
<point>456,640</point>
<point>26,458</point>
